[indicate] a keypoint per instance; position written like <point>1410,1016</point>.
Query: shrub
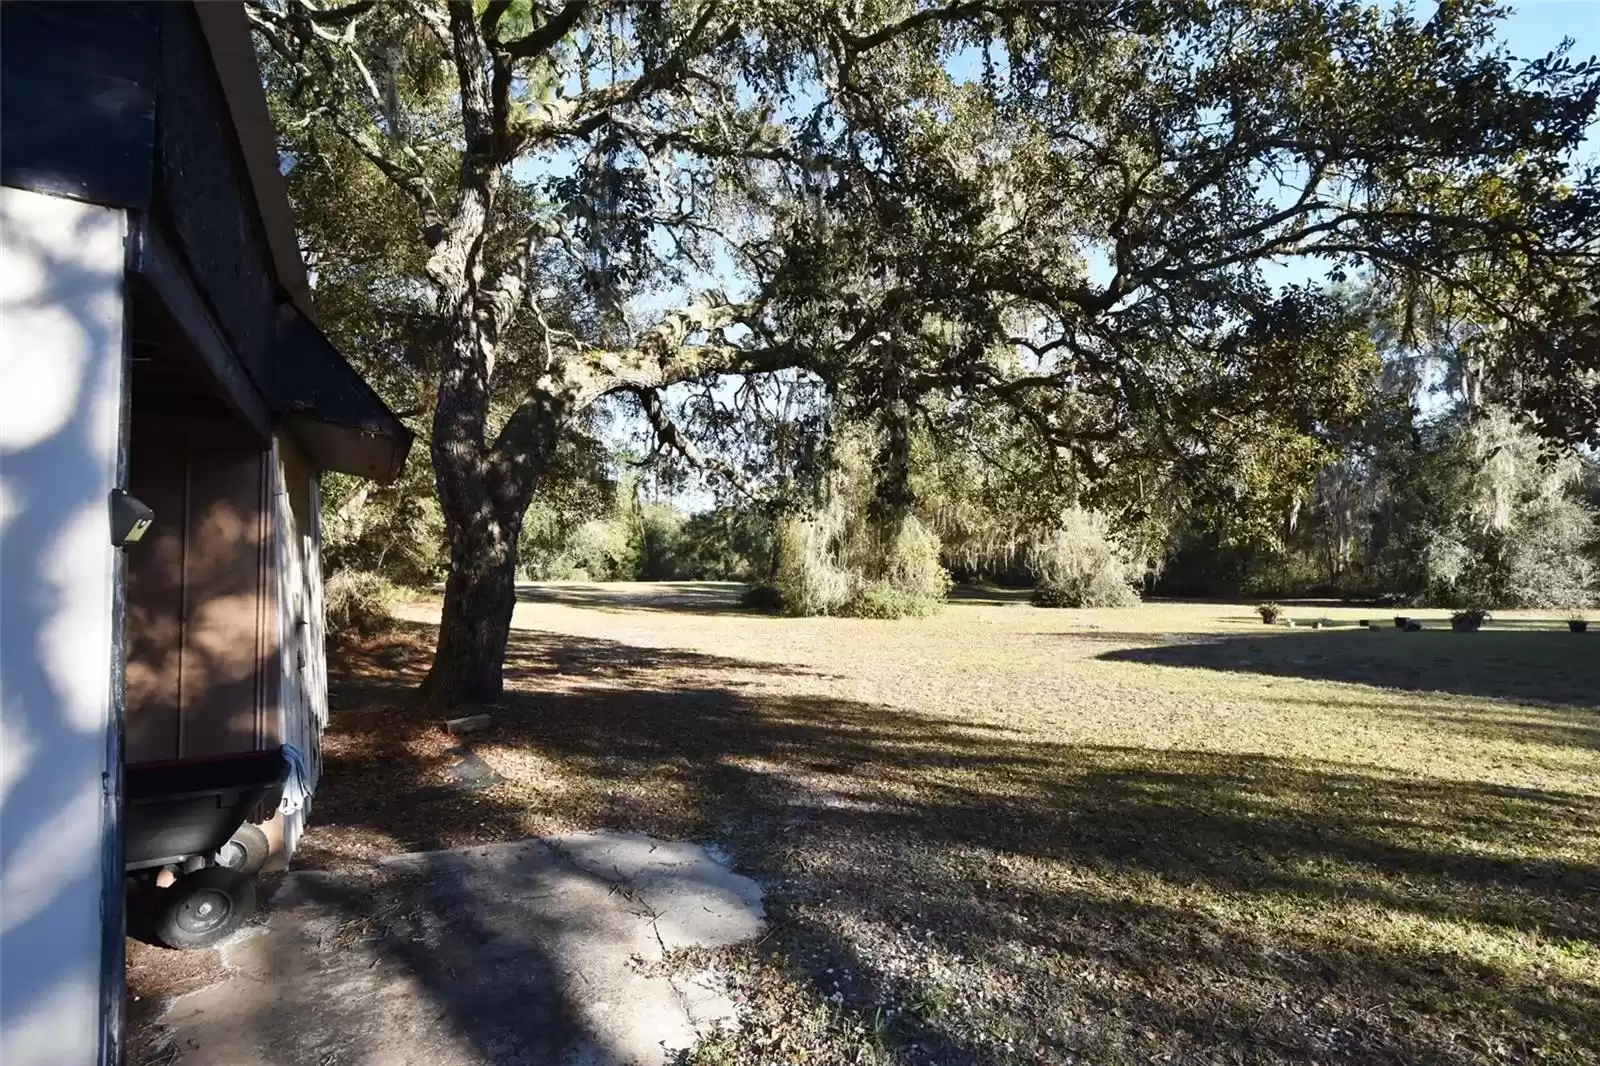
<point>608,549</point>
<point>809,579</point>
<point>1269,612</point>
<point>359,604</point>
<point>913,567</point>
<point>1098,593</point>
<point>1054,596</point>
<point>826,568</point>
<point>394,530</point>
<point>730,543</point>
<point>1484,514</point>
<point>904,575</point>
<point>881,600</point>
<point>659,532</point>
<point>1081,565</point>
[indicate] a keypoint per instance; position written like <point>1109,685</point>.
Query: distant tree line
<point>1429,493</point>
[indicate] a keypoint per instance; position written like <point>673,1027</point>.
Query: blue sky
<point>1535,27</point>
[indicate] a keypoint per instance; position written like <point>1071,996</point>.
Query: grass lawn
<point>1010,835</point>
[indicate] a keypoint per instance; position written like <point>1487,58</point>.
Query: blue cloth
<point>297,789</point>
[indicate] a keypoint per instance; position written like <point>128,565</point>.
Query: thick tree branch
<point>493,12</point>
<point>546,36</point>
<point>468,51</point>
<point>581,115</point>
<point>670,435</point>
<point>949,13</point>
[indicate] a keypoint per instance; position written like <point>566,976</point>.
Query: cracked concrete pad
<point>693,899</point>
<point>533,952</point>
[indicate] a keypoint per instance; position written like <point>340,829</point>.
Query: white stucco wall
<point>61,380</point>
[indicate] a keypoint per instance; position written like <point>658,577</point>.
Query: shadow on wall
<point>1539,667</point>
<point>1070,882</point>
<point>62,313</point>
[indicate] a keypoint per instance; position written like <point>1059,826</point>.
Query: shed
<point>157,339</point>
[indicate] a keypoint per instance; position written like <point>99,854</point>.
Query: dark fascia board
<point>344,424</point>
<point>156,261</point>
<point>226,29</point>
<point>346,449</point>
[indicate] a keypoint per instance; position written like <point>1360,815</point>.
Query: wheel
<point>245,851</point>
<point>203,907</point>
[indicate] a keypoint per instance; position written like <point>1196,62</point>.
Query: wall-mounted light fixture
<point>129,519</point>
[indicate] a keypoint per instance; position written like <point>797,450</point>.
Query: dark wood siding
<point>202,631</point>
<point>154,626</point>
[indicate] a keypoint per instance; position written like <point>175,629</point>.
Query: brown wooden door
<point>201,624</point>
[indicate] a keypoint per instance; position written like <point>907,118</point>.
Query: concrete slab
<point>532,952</point>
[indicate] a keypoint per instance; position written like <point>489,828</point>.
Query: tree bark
<point>485,493</point>
<point>479,596</point>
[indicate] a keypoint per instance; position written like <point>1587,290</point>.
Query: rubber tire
<point>178,926</point>
<point>253,842</point>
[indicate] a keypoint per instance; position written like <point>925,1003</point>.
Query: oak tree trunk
<point>484,492</point>
<point>479,596</point>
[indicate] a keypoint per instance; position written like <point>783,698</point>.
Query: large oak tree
<point>1083,216</point>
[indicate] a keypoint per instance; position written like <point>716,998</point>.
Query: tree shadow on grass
<point>1555,623</point>
<point>1529,666</point>
<point>707,597</point>
<point>989,595</point>
<point>984,898</point>
<point>676,597</point>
